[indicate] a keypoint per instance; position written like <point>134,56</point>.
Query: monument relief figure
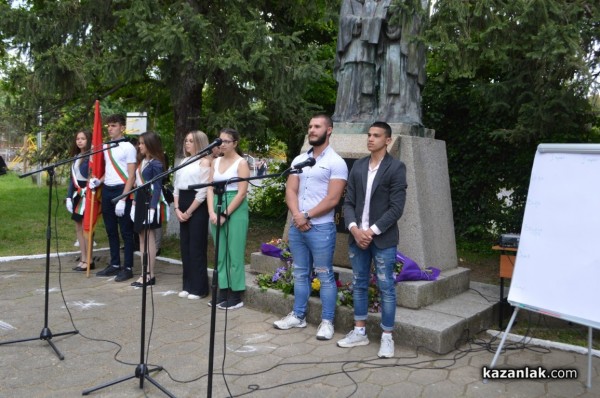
<point>379,66</point>
<point>402,67</point>
<point>355,66</point>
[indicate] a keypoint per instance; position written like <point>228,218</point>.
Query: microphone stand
<point>142,371</point>
<point>219,190</point>
<point>46,333</point>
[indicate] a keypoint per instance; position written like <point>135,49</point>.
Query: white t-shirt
<point>314,181</point>
<point>122,155</point>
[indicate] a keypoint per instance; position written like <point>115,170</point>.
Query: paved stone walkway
<point>250,357</point>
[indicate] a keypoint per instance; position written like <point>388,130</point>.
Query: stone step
<point>436,327</point>
<point>415,295</point>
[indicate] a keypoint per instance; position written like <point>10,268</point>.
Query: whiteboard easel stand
<point>507,331</point>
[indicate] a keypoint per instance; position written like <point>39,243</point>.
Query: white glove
<point>94,183</point>
<point>132,213</point>
<point>151,215</point>
<point>69,205</point>
<point>120,208</point>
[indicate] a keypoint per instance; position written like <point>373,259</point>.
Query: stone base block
<point>409,294</point>
<point>437,327</point>
<point>261,264</point>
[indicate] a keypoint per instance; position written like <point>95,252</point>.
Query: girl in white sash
<point>75,201</point>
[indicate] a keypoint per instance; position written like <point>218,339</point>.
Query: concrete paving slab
<point>251,358</point>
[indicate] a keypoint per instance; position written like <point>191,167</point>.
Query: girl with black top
<point>146,220</point>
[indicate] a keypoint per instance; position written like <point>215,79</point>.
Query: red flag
<point>96,169</point>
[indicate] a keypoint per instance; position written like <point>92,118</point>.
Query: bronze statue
<point>379,66</point>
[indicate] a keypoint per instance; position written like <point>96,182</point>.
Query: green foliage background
<point>503,76</point>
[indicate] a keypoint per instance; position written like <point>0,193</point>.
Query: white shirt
<point>365,214</point>
<point>123,154</point>
<point>314,181</point>
<point>192,174</point>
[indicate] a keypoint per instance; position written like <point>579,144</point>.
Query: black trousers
<point>193,241</point>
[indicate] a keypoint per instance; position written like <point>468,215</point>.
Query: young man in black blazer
<point>374,203</point>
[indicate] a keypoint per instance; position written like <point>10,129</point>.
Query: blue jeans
<point>314,249</point>
<point>385,260</point>
<point>112,223</point>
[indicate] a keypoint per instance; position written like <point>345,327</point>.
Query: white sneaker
<point>289,321</point>
<point>76,244</point>
<point>183,294</point>
<point>353,339</point>
<point>325,331</point>
<point>193,297</point>
<point>386,349</point>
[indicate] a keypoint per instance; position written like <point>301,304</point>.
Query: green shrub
<point>269,199</point>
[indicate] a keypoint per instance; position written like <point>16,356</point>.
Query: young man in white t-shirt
<point>311,198</point>
<point>119,177</point>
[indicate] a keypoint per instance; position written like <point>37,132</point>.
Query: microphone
<point>308,162</point>
<point>209,148</point>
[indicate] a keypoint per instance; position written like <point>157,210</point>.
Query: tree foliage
<point>245,64</point>
<point>504,76</point>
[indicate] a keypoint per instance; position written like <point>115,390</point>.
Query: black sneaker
<point>110,270</point>
<point>124,274</point>
<point>221,297</point>
<point>233,302</point>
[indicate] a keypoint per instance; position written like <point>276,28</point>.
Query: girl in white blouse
<point>192,212</point>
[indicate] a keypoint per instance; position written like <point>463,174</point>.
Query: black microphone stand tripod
<point>219,190</point>
<point>142,371</point>
<point>46,333</point>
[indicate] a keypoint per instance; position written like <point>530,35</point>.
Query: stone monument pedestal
<point>431,313</point>
<point>426,226</point>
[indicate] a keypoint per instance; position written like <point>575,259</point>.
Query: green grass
<point>547,328</point>
<point>24,218</point>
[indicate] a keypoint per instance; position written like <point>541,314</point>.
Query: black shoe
<point>221,297</point>
<point>151,282</point>
<point>233,302</point>
<point>158,253</point>
<point>124,274</point>
<point>109,271</point>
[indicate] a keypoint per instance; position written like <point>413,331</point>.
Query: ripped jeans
<point>314,248</point>
<point>385,260</point>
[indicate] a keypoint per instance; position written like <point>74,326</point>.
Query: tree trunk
<point>186,96</point>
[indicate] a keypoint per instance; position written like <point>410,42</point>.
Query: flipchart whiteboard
<point>557,270</point>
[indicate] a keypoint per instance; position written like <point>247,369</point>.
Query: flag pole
<point>90,236</point>
<point>96,170</point>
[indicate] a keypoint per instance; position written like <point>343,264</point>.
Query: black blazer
<point>388,196</point>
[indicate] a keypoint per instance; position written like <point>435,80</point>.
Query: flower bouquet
<point>410,270</point>
<point>276,248</point>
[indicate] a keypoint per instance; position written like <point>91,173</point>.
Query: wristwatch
<point>305,213</point>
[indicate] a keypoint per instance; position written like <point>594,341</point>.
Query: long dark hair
<point>235,137</point>
<point>153,146</point>
<point>74,149</point>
